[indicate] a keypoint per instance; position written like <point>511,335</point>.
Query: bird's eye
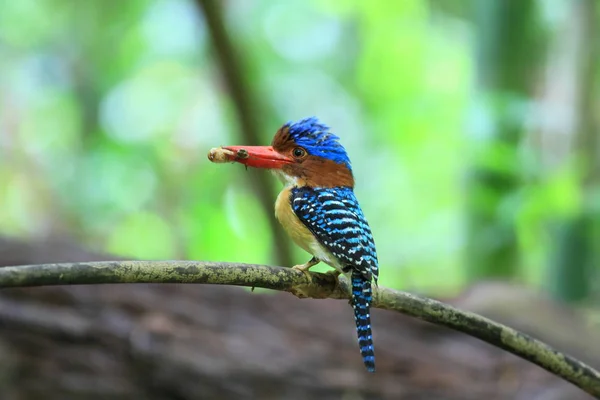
<point>299,152</point>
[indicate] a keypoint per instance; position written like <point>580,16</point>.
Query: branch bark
<point>317,286</point>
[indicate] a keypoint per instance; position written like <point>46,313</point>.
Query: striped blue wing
<point>334,216</point>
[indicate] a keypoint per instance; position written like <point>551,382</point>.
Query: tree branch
<point>317,286</point>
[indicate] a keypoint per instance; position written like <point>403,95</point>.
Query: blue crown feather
<point>315,137</point>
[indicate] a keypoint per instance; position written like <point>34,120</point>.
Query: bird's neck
<point>319,173</point>
<point>290,181</point>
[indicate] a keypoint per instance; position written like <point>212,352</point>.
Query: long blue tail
<point>361,301</point>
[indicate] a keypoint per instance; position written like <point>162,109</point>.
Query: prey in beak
<point>251,156</point>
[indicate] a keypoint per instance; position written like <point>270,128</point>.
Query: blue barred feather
<point>335,218</point>
<point>361,302</point>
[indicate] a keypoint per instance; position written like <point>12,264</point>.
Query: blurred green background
<point>471,125</point>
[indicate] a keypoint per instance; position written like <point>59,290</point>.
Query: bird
<point>319,210</point>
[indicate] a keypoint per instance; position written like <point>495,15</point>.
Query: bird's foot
<point>336,274</point>
<point>304,268</point>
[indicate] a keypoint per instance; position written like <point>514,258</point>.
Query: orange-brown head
<point>303,153</point>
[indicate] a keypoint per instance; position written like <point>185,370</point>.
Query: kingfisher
<point>319,210</point>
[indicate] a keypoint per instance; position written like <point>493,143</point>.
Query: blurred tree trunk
<point>506,54</point>
<point>235,68</point>
<point>571,266</point>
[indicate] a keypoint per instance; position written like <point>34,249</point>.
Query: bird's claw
<point>304,269</point>
<point>306,266</point>
<point>335,273</point>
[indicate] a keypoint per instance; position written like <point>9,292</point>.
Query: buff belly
<point>299,233</point>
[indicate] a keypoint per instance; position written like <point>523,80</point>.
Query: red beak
<point>258,156</point>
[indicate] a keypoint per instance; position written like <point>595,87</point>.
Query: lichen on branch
<point>312,285</point>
